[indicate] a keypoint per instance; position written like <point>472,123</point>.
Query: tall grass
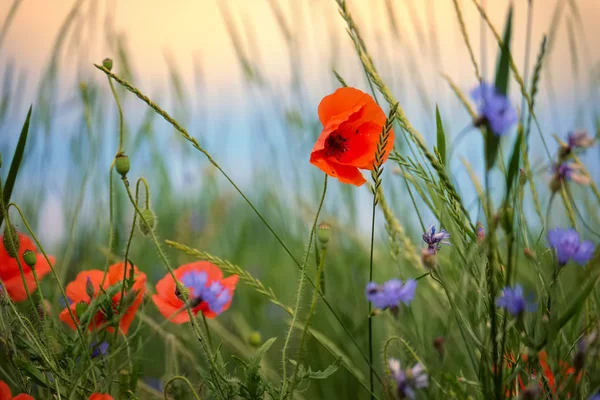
<point>300,325</point>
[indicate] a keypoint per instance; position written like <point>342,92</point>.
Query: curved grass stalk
<point>181,378</point>
<point>299,292</point>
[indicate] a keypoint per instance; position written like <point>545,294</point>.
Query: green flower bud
<point>255,338</point>
<point>148,216</point>
<point>30,258</point>
<point>107,63</point>
<point>10,234</point>
<point>89,288</point>
<point>323,233</point>
<point>506,218</point>
<point>122,164</point>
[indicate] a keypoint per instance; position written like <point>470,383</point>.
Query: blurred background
<point>245,78</point>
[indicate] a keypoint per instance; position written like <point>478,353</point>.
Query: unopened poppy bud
<point>429,258</point>
<point>530,254</point>
<point>255,338</point>
<point>107,63</point>
<point>506,218</point>
<point>89,288</point>
<point>323,233</point>
<point>30,258</point>
<point>182,294</point>
<point>522,177</point>
<point>148,226</point>
<point>11,240</point>
<point>122,164</point>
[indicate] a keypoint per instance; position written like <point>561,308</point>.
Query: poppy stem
<point>370,305</point>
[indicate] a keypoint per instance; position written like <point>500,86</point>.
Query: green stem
<point>299,292</point>
<point>371,384</point>
<point>313,306</point>
<point>121,119</point>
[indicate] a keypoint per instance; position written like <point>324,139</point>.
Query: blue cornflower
<point>434,239</point>
<point>579,140</point>
<point>391,293</point>
<point>494,108</point>
<point>215,295</point>
<point>567,245</point>
<point>407,381</point>
<point>595,397</point>
<point>514,301</point>
<point>99,349</point>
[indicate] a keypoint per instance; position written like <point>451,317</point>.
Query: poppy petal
<point>338,106</point>
<point>344,173</point>
<point>5,393</point>
<point>23,396</point>
<point>77,289</point>
<point>170,311</point>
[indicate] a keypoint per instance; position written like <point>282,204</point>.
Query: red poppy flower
<point>10,275</point>
<point>6,394</point>
<point>208,291</point>
<point>534,369</point>
<point>101,396</point>
<point>77,292</point>
<point>352,124</point>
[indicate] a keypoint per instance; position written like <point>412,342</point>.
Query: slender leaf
<point>513,166</point>
<point>16,162</point>
<point>441,136</point>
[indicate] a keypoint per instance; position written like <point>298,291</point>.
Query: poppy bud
<point>255,338</point>
<point>148,216</point>
<point>429,258</point>
<point>30,258</point>
<point>122,164</point>
<point>11,240</point>
<point>89,288</point>
<point>522,177</point>
<point>323,233</point>
<point>107,63</point>
<point>507,218</point>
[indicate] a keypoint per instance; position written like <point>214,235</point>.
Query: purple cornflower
<point>571,171</point>
<point>595,397</point>
<point>215,295</point>
<point>494,108</point>
<point>434,239</point>
<point>514,301</point>
<point>407,381</point>
<point>567,244</point>
<point>391,293</point>
<point>579,140</point>
<point>99,349</point>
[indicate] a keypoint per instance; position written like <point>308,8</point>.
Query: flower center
<point>335,144</point>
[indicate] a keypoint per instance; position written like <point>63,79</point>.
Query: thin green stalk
<point>371,384</point>
<point>313,306</point>
<point>121,119</point>
<point>299,292</point>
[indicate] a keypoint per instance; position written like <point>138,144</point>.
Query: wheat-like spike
<point>230,268</point>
